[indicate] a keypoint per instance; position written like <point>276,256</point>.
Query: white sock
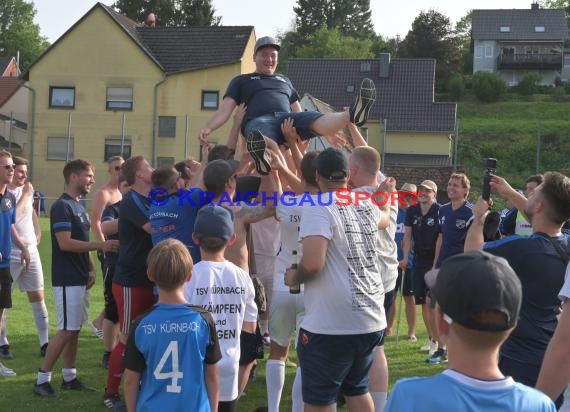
<point>3,337</point>
<point>274,379</point>
<point>297,393</point>
<point>264,327</point>
<point>41,318</point>
<point>43,377</point>
<point>379,399</point>
<point>69,374</point>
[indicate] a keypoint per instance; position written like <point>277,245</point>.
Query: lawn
<point>16,395</point>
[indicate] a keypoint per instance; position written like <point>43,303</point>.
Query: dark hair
<point>163,177</point>
<point>130,167</point>
<point>220,151</point>
<point>20,161</point>
<point>556,194</point>
<point>308,169</point>
<point>538,179</point>
<point>75,167</point>
<point>212,244</point>
<point>181,168</point>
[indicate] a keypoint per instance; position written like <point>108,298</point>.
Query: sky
<point>271,17</point>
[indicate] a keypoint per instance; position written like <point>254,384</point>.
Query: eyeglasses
<point>8,167</point>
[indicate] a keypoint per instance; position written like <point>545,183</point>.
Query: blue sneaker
<point>439,356</point>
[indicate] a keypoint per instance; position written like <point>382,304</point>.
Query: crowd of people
<point>189,251</point>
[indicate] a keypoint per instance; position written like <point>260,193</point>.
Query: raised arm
<point>219,119</point>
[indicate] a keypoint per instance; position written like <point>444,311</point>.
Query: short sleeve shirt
<point>425,229</point>
<point>7,219</point>
<point>453,225</point>
<point>110,213</point>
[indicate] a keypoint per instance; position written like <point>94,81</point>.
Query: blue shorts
<point>270,125</point>
<point>333,363</point>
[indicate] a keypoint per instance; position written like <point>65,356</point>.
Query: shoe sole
<point>46,395</point>
<point>361,107</point>
<point>257,148</point>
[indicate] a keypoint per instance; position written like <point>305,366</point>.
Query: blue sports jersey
<point>7,219</point>
<point>453,225</point>
<point>541,272</point>
<point>452,391</point>
<point>399,236</point>
<point>425,229</point>
<point>136,243</point>
<point>169,346</point>
<point>69,268</point>
<point>110,213</point>
<point>176,218</point>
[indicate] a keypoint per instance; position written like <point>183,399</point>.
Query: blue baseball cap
<point>214,221</point>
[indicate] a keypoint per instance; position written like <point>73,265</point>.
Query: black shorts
<point>5,288</point>
<point>111,312</point>
<point>418,282</point>
<point>408,289</point>
<point>251,347</point>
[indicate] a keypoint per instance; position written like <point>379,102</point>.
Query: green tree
<point>326,43</point>
<point>171,13</point>
<point>19,33</point>
<point>431,36</point>
<point>463,38</point>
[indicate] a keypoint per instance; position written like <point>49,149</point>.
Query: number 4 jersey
<point>169,346</point>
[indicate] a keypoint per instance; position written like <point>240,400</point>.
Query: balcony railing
<point>530,61</point>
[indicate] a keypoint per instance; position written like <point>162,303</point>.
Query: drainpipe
<point>32,129</point>
<point>155,120</point>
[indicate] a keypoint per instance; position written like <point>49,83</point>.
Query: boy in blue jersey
<point>172,350</point>
<point>478,301</point>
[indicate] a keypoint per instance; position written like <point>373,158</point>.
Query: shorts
<point>250,347</point>
<point>418,282</point>
<point>265,271</point>
<point>285,315</point>
<point>131,302</point>
<point>408,289</point>
<point>110,310</point>
<point>5,288</point>
<point>71,306</point>
<point>333,363</point>
<point>270,125</point>
<point>31,280</point>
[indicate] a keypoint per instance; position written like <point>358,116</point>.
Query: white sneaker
<point>426,347</point>
<point>432,347</point>
<point>5,371</point>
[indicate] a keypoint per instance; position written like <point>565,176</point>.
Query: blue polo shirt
<point>453,225</point>
<point>176,218</point>
<point>425,229</point>
<point>7,219</point>
<point>136,243</point>
<point>541,272</point>
<point>69,268</point>
<point>399,236</point>
<point>110,213</point>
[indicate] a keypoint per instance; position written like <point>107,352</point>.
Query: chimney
<point>534,6</point>
<point>384,65</point>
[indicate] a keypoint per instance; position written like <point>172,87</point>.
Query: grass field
<point>16,393</point>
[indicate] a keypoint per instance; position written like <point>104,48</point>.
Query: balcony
<point>530,61</point>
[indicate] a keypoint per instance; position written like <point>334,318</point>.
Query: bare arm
<point>474,239</point>
<point>67,244</point>
<point>503,189</point>
<point>437,249</point>
<point>291,137</point>
<point>555,371</point>
<point>131,389</point>
<point>296,106</point>
<point>252,214</point>
<point>220,118</point>
<point>239,113</point>
<point>100,201</point>
<point>147,228</point>
<point>110,227</point>
<point>357,138</point>
<point>312,262</point>
<point>212,377</point>
<point>37,228</point>
<point>406,246</point>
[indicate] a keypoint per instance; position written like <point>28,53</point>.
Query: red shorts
<point>132,302</point>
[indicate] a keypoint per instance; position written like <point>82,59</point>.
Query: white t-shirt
<point>24,222</point>
<point>226,291</point>
<point>346,297</point>
<point>387,247</point>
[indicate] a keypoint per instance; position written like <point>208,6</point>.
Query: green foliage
<point>455,86</point>
<point>326,43</point>
<point>18,32</point>
<point>171,13</point>
<point>529,83</point>
<point>488,87</point>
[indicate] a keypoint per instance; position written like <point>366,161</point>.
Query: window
<point>479,52</point>
<point>113,147</point>
<point>350,88</point>
<point>505,29</point>
<point>209,100</point>
<point>365,66</point>
<point>488,51</point>
<point>567,60</point>
<point>62,97</point>
<point>539,29</point>
<point>57,148</point>
<point>164,161</point>
<point>119,98</point>
<point>167,126</point>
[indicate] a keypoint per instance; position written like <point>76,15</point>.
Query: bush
<point>529,83</point>
<point>488,87</point>
<point>455,86</point>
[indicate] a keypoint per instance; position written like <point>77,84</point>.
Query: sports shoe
<point>76,385</point>
<point>114,402</point>
<point>412,338</point>
<point>363,102</point>
<point>5,352</point>
<point>98,332</point>
<point>427,346</point>
<point>45,390</point>
<point>6,371</point>
<point>43,350</point>
<point>105,360</point>
<point>257,148</point>
<point>266,339</point>
<point>440,356</point>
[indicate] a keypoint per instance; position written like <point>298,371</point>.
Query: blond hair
<point>169,264</point>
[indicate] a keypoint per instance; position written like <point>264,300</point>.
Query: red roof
<point>8,87</point>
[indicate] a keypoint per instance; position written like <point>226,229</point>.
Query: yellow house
<point>111,86</point>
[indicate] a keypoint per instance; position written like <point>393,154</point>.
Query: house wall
<point>12,70</point>
<point>485,54</point>
<point>16,106</point>
<point>419,143</point>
